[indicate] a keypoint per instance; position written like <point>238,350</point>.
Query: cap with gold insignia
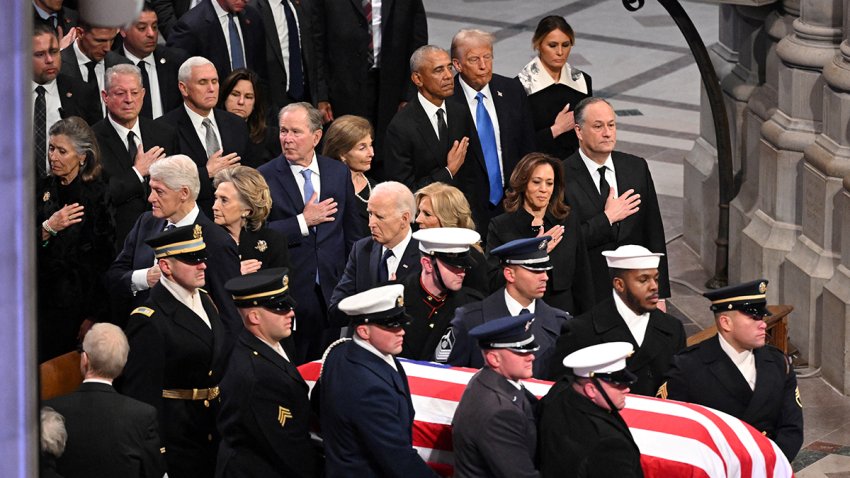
<point>512,333</point>
<point>267,288</point>
<point>604,361</point>
<point>449,244</point>
<point>631,256</point>
<point>382,306</point>
<point>185,243</point>
<point>529,253</point>
<point>750,298</point>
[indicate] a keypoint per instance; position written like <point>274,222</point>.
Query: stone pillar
<point>835,366</point>
<point>773,230</point>
<point>18,398</point>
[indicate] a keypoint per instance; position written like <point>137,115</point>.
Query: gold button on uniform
<point>210,374</point>
<point>207,403</point>
<point>209,437</point>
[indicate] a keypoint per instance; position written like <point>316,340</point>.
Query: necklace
<point>368,186</point>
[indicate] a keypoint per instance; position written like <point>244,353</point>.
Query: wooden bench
<point>777,328</point>
<point>60,375</point>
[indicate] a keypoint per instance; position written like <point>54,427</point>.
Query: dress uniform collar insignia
<point>261,246</point>
<point>282,415</point>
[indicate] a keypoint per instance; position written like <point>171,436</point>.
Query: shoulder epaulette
<point>146,311</point>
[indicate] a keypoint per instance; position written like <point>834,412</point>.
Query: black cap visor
<point>620,377</point>
<point>461,260</point>
<point>192,258</point>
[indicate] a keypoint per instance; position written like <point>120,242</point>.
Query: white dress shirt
<point>515,308</point>
<point>398,252</point>
<point>122,133</point>
<point>745,361</point>
<point>192,300</point>
<point>593,168</point>
<point>371,348</point>
<point>317,187</point>
<point>469,94</point>
<point>223,20</point>
<point>139,279</point>
<point>636,323</point>
<point>99,70</point>
<point>52,104</point>
<point>153,77</point>
<point>200,129</point>
<point>276,347</point>
<point>431,111</point>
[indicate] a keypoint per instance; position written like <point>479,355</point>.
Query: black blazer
<point>265,245</point>
<point>665,337</point>
<point>167,61</point>
<point>129,195</point>
<point>91,95</point>
<point>198,33</point>
<point>234,139</point>
<point>109,434</point>
<point>545,106</point>
<point>75,96</point>
<point>643,228</point>
<point>66,18</point>
<point>168,12</point>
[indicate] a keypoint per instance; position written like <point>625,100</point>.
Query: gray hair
<point>107,349</point>
<point>85,144</point>
<point>176,172</point>
<point>121,69</point>
<point>468,36</point>
<point>314,116</point>
<point>403,196</point>
<point>418,56</point>
<point>53,433</point>
<point>184,74</point>
<point>578,112</point>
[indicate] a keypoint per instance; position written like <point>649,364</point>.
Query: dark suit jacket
<point>168,12</point>
<point>266,245</point>
<point>265,415</point>
<point>71,68</point>
<point>168,61</point>
<point>494,433</point>
<point>66,18</point>
<point>362,396</point>
<point>109,434</point>
<point>704,374</point>
<point>199,33</point>
<point>643,228</point>
<point>665,337</point>
<point>222,265</point>
<point>277,79</point>
<point>361,273</point>
<point>75,96</point>
<point>234,139</point>
<point>129,195</point>
<point>547,325</point>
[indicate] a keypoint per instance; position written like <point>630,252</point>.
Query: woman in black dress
<point>349,139</point>
<point>535,207</point>
<point>242,95</point>
<point>554,87</point>
<point>76,239</point>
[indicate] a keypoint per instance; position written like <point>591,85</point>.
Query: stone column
<point>18,398</point>
<point>774,227</point>
<point>835,366</point>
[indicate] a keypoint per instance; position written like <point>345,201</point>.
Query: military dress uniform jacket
<point>579,439</point>
<point>704,374</point>
<point>265,415</point>
<point>665,337</point>
<point>493,429</point>
<point>172,348</point>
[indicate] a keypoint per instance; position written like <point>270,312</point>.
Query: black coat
<point>172,348</point>
<point>265,415</point>
<point>109,434</point>
<point>545,106</point>
<point>168,12</point>
<point>578,439</point>
<point>91,95</point>
<point>704,374</point>
<point>66,18</point>
<point>75,96</point>
<point>665,337</point>
<point>265,245</point>
<point>167,62</point>
<point>570,287</point>
<point>643,228</point>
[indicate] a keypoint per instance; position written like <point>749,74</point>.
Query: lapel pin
<point>499,93</point>
<point>69,94</point>
<point>162,60</point>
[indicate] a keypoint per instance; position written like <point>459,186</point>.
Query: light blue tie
<point>487,136</point>
<point>308,185</point>
<point>236,58</point>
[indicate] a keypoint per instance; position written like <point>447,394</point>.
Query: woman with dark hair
<point>76,239</point>
<point>535,207</point>
<point>554,87</point>
<point>242,95</point>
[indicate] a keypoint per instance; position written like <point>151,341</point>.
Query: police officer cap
<point>512,333</point>
<point>604,361</point>
<point>185,243</point>
<point>632,257</point>
<point>449,244</point>
<point>267,288</point>
<point>379,306</point>
<point>530,253</point>
<point>749,298</point>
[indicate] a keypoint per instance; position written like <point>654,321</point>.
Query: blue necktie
<point>487,135</point>
<point>296,74</point>
<point>236,58</point>
<point>308,184</point>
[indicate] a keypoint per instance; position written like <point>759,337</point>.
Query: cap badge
<point>399,302</point>
<point>286,281</point>
<point>261,246</point>
<point>46,196</point>
<point>282,415</point>
<point>762,288</point>
<point>197,231</point>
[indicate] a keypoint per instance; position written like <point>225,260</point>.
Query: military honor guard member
<point>581,432</point>
<point>364,400</point>
<point>178,347</point>
<point>432,296</point>
<point>493,430</point>
<point>735,372</point>
<point>265,409</point>
<point>630,314</point>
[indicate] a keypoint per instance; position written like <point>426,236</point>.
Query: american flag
<point>676,439</point>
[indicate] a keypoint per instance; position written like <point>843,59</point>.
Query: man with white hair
<point>109,434</point>
<point>174,187</point>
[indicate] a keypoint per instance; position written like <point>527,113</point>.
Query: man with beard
<point>433,295</point>
<point>630,315</point>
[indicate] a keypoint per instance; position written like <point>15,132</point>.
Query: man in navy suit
<point>364,400</point>
<point>174,187</point>
<point>227,32</point>
<point>313,206</point>
<point>214,139</point>
<point>502,118</point>
<point>390,253</point>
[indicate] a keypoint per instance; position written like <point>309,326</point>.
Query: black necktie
<point>132,148</point>
<point>39,126</point>
<point>92,79</point>
<point>524,311</point>
<point>443,128</point>
<point>384,268</point>
<point>367,12</point>
<point>147,106</point>
<point>296,74</point>
<point>604,187</point>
